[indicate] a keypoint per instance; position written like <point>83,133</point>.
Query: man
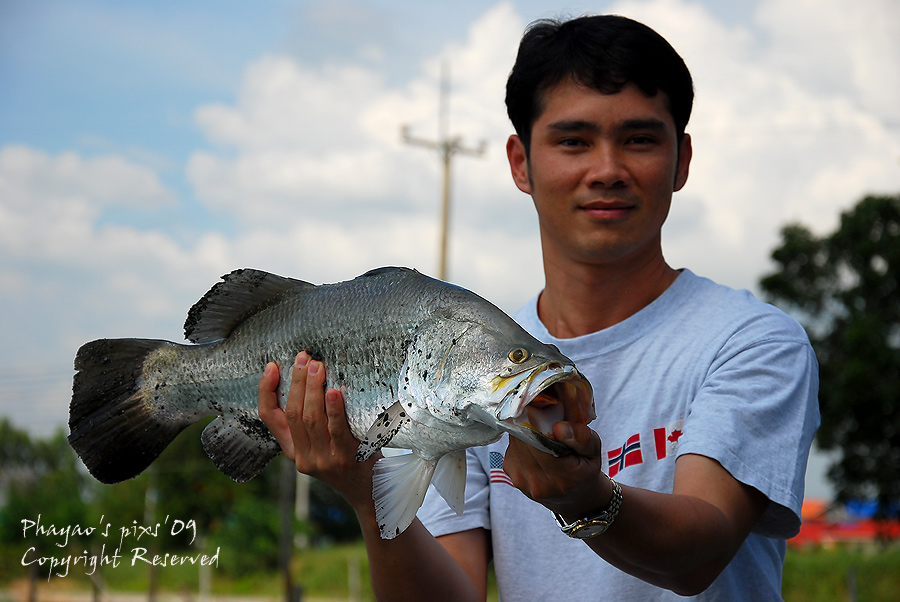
<point>706,398</point>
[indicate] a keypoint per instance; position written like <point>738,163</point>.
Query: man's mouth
<point>607,210</point>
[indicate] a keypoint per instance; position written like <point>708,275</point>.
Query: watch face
<point>597,525</point>
<point>590,530</point>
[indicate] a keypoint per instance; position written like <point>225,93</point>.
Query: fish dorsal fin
<point>388,270</point>
<point>241,294</point>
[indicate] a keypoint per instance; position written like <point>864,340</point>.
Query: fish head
<point>527,399</point>
<point>507,380</point>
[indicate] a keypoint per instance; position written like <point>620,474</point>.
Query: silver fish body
<point>423,365</point>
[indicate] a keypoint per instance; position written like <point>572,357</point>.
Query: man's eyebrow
<point>581,125</point>
<point>573,125</point>
<point>650,123</point>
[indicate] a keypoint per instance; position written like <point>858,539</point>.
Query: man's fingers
<point>267,389</point>
<point>297,404</point>
<point>321,431</point>
<point>269,411</point>
<point>293,408</point>
<point>551,480</point>
<point>580,438</point>
<point>313,430</point>
<point>314,419</point>
<point>337,421</point>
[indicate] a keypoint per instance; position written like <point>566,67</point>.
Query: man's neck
<point>579,299</point>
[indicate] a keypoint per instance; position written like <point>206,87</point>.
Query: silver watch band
<point>594,525</point>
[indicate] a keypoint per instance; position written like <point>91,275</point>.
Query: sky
<point>146,149</point>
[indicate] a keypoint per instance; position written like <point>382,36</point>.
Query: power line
<point>447,148</point>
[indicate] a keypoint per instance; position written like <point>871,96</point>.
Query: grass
<point>842,574</point>
<point>331,573</point>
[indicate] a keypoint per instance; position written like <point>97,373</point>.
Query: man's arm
<point>313,431</point>
<point>680,541</point>
<point>472,551</point>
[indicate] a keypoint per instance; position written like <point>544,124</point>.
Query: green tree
<point>241,518</point>
<point>249,535</point>
<point>845,288</point>
<point>39,485</point>
<point>183,484</point>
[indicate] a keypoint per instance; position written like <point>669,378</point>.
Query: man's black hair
<point>603,52</point>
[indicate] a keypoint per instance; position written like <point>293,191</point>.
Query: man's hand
<point>313,430</point>
<point>707,507</point>
<point>572,485</point>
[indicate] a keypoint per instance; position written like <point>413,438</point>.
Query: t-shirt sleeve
<point>437,516</point>
<point>756,414</point>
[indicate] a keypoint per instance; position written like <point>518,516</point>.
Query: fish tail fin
<point>399,484</point>
<point>117,426</point>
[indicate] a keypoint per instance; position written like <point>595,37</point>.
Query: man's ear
<point>518,163</point>
<point>685,151</point>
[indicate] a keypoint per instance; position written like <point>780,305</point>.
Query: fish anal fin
<point>399,484</point>
<point>241,294</point>
<point>235,452</point>
<point>382,431</point>
<point>450,480</point>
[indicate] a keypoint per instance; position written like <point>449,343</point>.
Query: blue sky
<point>148,148</point>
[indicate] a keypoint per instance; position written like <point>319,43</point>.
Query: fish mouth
<point>537,399</point>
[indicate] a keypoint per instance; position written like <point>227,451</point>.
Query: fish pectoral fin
<point>382,431</point>
<point>450,480</point>
<point>399,484</point>
<point>235,452</point>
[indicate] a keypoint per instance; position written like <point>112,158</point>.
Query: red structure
<point>825,525</point>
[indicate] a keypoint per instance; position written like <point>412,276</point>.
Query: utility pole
<point>447,147</point>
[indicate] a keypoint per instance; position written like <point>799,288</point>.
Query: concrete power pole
<point>447,147</point>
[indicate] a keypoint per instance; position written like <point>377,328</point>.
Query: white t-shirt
<point>704,369</point>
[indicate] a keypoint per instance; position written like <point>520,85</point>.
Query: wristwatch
<point>591,526</point>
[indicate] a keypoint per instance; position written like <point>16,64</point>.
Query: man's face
<point>602,170</point>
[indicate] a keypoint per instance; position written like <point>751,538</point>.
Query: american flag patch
<point>497,474</point>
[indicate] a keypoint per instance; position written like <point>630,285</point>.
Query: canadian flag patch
<point>666,439</point>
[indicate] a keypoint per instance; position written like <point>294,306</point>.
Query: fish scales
<point>367,347</point>
<point>423,365</point>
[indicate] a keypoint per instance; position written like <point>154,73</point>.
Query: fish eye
<point>518,355</point>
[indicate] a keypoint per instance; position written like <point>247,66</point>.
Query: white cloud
<point>781,132</point>
<point>104,180</point>
<point>836,47</point>
<point>281,103</point>
<point>318,149</point>
<point>48,203</point>
<point>299,135</point>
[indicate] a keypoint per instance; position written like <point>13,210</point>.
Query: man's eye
<point>641,140</point>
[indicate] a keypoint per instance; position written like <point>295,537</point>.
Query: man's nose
<point>607,168</point>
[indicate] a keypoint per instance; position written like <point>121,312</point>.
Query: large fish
<point>423,365</point>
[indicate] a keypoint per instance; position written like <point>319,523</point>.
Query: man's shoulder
<point>710,302</point>
<point>692,304</point>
